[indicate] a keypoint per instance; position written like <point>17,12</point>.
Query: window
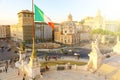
<point>65,31</point>
<point>19,15</point>
<point>65,41</point>
<point>70,31</point>
<point>24,15</point>
<point>28,15</point>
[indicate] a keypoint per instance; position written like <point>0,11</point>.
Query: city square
<point>34,46</point>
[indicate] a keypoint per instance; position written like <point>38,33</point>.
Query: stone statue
<point>95,57</point>
<point>32,67</point>
<point>22,46</point>
<point>22,52</point>
<point>116,48</point>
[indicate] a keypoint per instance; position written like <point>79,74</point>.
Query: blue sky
<point>58,10</point>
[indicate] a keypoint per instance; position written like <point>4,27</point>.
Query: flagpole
<point>33,55</point>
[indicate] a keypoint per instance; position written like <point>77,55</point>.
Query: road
<point>8,51</point>
<point>82,51</point>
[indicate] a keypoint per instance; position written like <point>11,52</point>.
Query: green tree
<point>118,35</point>
<point>64,52</point>
<point>101,33</point>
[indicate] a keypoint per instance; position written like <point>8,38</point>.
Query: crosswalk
<point>10,75</point>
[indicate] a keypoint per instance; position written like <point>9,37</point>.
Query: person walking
<point>6,69</point>
<point>18,72</point>
<point>24,77</point>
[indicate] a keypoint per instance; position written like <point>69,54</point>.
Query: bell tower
<point>98,13</point>
<point>69,17</point>
<point>25,17</point>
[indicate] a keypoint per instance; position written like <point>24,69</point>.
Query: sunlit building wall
<point>100,22</point>
<point>94,22</point>
<point>57,33</point>
<point>43,32</point>
<point>85,33</point>
<point>4,31</point>
<point>23,30</point>
<point>67,33</point>
<point>112,25</point>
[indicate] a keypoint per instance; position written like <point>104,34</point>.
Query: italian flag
<point>41,17</point>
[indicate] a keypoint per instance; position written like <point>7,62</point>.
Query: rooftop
<point>25,11</point>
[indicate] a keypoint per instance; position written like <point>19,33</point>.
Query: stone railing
<point>64,67</point>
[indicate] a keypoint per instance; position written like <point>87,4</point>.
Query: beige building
<point>57,33</point>
<point>67,32</point>
<point>43,32</point>
<point>4,31</point>
<point>112,25</point>
<point>94,22</point>
<point>100,22</point>
<point>85,33</point>
<point>23,30</point>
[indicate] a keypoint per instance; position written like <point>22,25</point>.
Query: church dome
<point>69,17</point>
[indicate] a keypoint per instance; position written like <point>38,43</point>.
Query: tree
<point>118,35</point>
<point>101,33</point>
<point>64,52</point>
<point>98,32</point>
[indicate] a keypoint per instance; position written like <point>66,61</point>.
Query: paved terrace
<point>71,75</point>
<point>53,74</point>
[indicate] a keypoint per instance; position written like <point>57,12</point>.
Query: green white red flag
<point>41,17</point>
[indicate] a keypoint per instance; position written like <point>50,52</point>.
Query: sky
<point>58,10</point>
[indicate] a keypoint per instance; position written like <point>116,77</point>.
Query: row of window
<point>2,35</point>
<point>66,41</point>
<point>27,15</point>
<point>2,31</point>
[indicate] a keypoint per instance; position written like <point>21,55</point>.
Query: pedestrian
<point>10,61</point>
<point>6,69</point>
<point>18,72</point>
<point>24,76</point>
<point>41,74</point>
<point>47,68</point>
<point>6,64</point>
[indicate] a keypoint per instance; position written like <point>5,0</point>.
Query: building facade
<point>67,32</point>
<point>100,22</point>
<point>57,33</point>
<point>94,22</point>
<point>43,32</point>
<point>4,31</point>
<point>23,30</point>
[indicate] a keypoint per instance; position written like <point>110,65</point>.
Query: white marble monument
<point>95,57</point>
<point>116,48</point>
<point>22,54</point>
<point>32,68</point>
